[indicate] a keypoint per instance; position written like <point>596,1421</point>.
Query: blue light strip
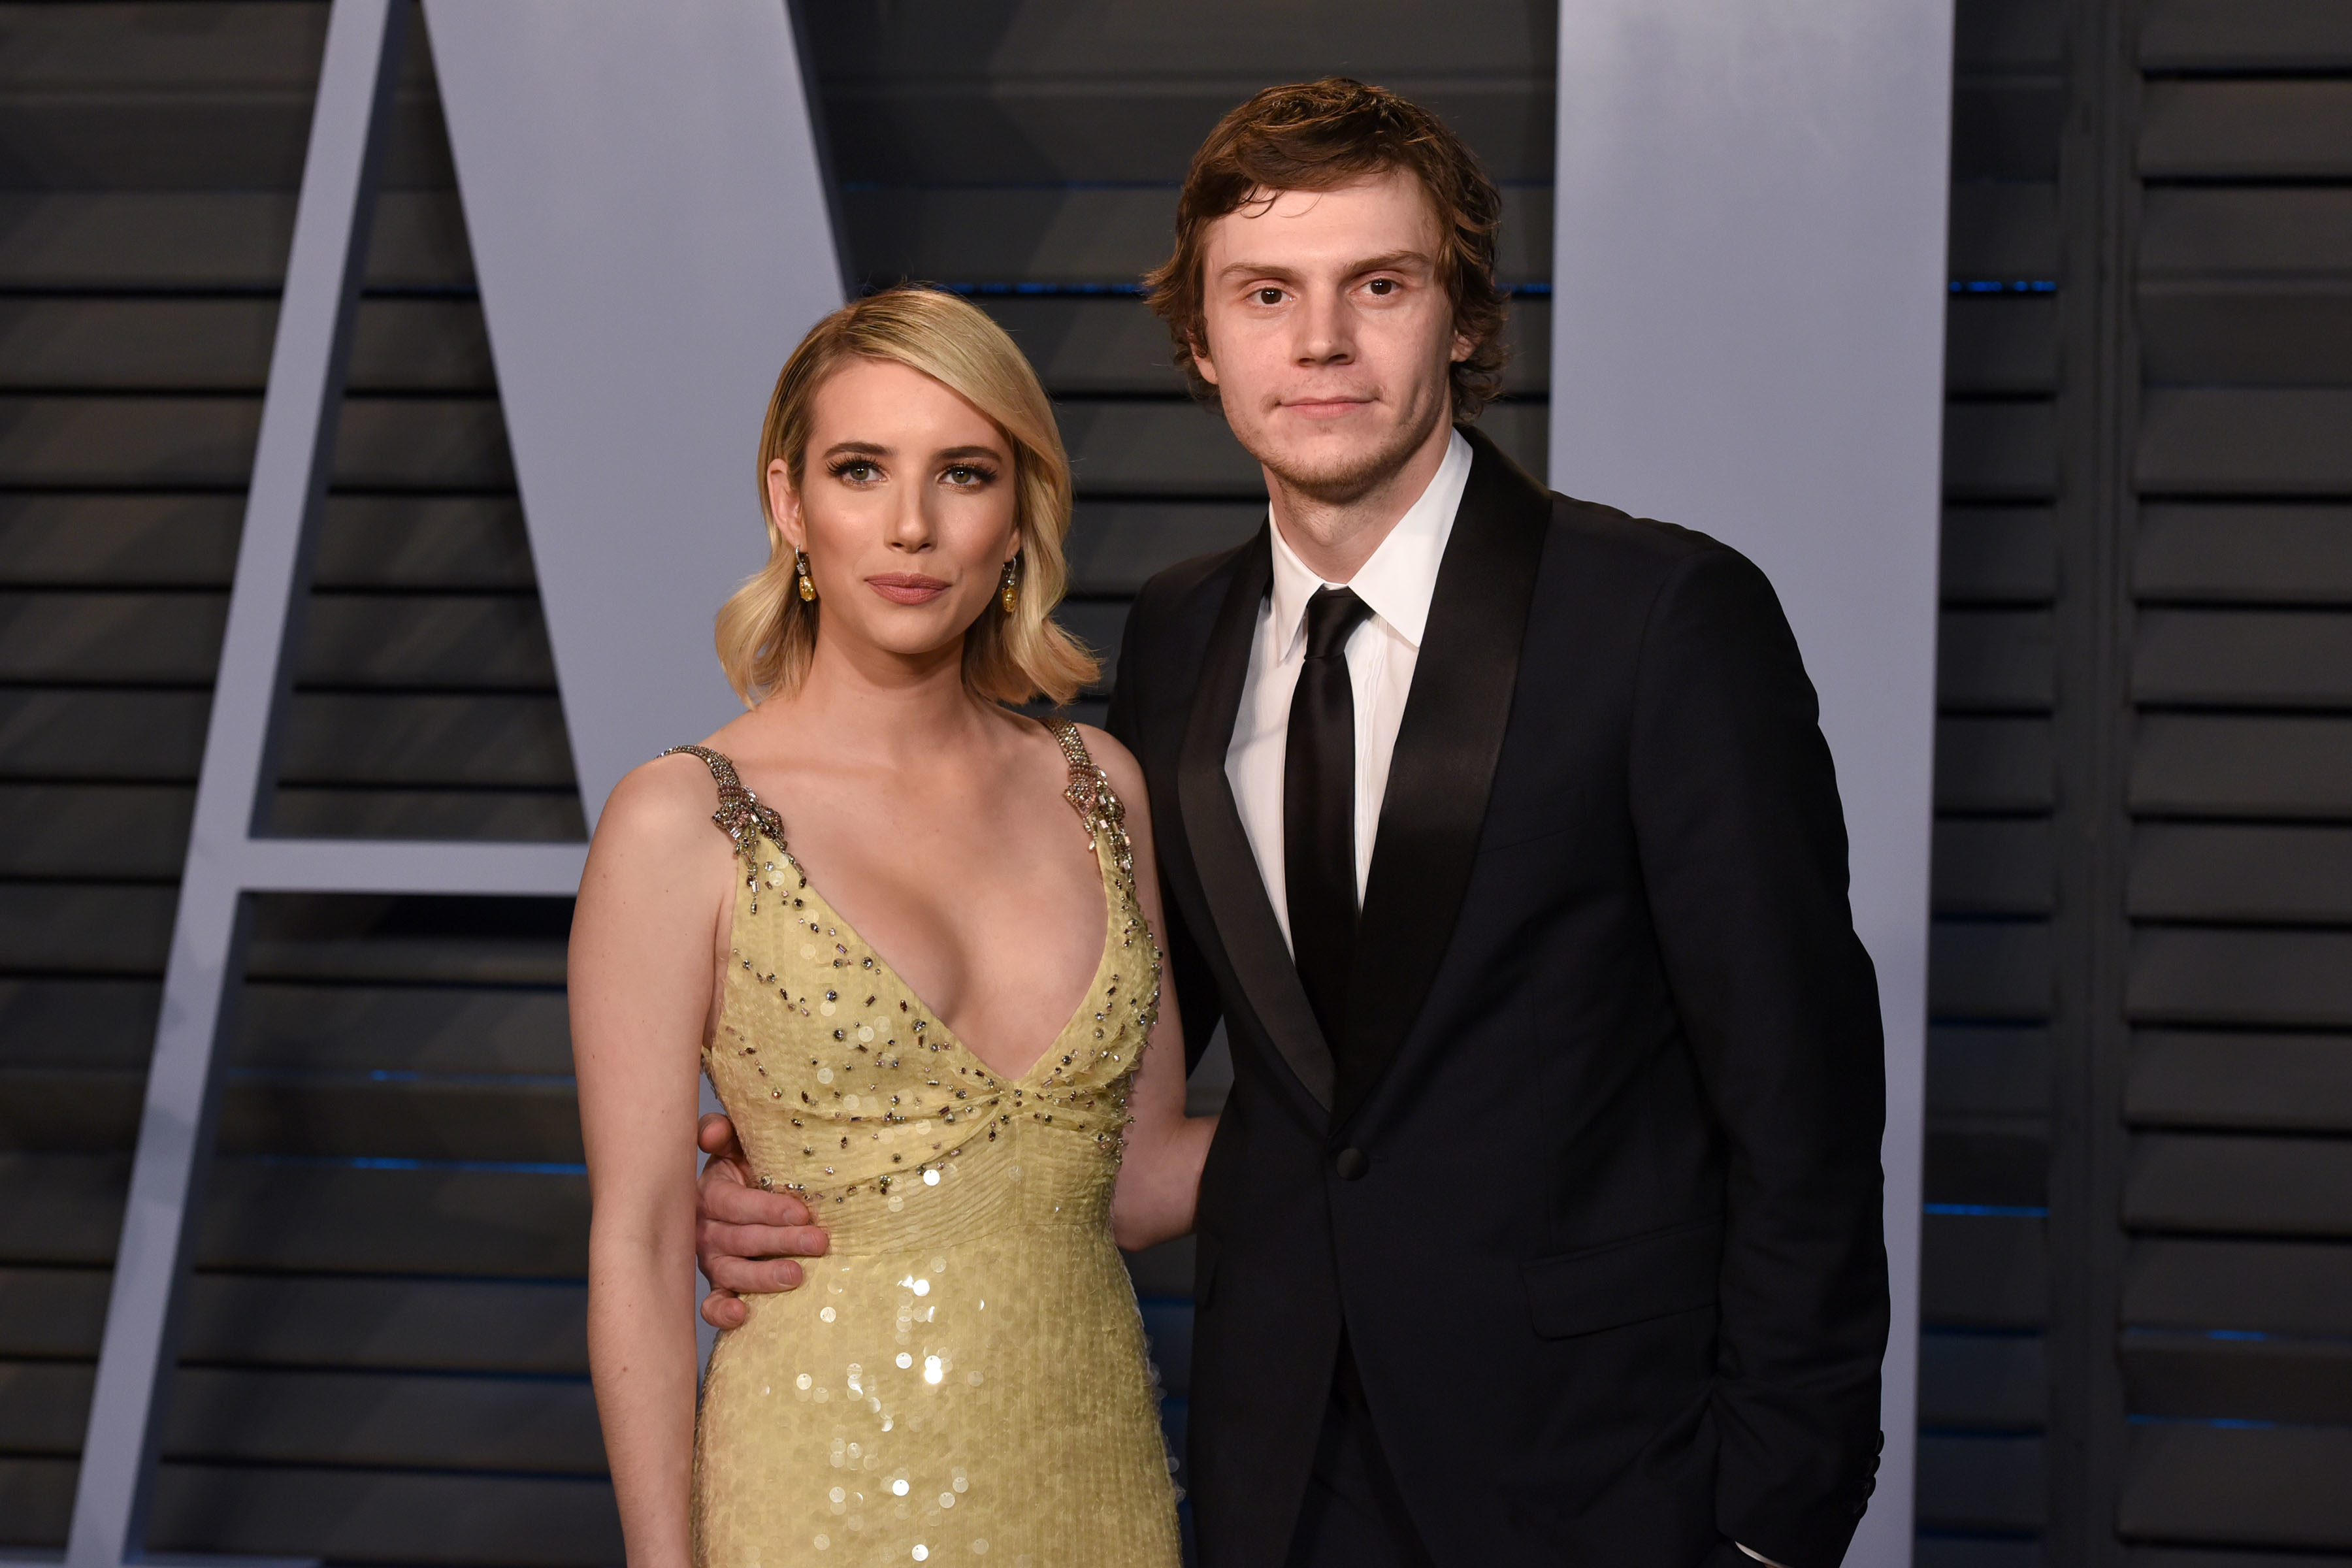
<point>1979,1211</point>
<point>1996,286</point>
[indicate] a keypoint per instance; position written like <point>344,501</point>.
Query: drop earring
<point>808,589</point>
<point>1011,595</point>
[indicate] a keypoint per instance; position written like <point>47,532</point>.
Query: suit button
<point>1351,1164</point>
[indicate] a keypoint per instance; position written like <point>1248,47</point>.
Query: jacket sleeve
<point>1743,852</point>
<point>1188,975</point>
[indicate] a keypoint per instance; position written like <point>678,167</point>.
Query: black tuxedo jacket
<point>1600,1219</point>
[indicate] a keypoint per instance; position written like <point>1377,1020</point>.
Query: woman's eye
<point>966,476</point>
<point>856,471</point>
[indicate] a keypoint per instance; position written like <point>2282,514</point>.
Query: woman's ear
<point>784,505</point>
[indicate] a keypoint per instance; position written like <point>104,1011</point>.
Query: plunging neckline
<point>898,978</point>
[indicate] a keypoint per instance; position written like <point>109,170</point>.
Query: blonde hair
<point>767,632</point>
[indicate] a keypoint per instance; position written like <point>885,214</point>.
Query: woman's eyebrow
<point>862,448</point>
<point>951,454</point>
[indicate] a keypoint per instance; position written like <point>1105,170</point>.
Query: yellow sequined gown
<point>962,1378</point>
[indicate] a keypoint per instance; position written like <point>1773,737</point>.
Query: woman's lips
<point>906,587</point>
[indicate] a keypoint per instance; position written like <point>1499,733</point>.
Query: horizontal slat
<point>2006,127</point>
<point>1078,236</point>
<point>2260,977</point>
<point>2215,230</point>
<point>411,1028</point>
<point>2244,35</point>
<point>2001,1162</point>
<point>2291,332</point>
<point>1146,449</point>
<point>1993,764</point>
<point>2005,231</point>
<point>2003,867</point>
<point>120,540</point>
<point>2236,1379</point>
<point>2257,1487</point>
<point>1932,1550</point>
<point>1139,120</point>
<point>108,929</point>
<point>2245,130</point>
<point>1989,969</point>
<point>2215,873</point>
<point>136,345</point>
<point>389,1517</point>
<point>94,830</point>
<point>2001,451</point>
<point>70,1110</point>
<point>420,542</point>
<point>2006,35</point>
<point>1116,547</point>
<point>2006,555</point>
<point>2001,344</point>
<point>212,239</point>
<point>2260,1186</point>
<point>2245,440</point>
<point>91,441</point>
<point>44,1406</point>
<point>2271,1287</point>
<point>73,636</point>
<point>2271,658</point>
<point>126,735</point>
<point>429,814</point>
<point>2244,554</point>
<point>472,641</point>
<point>420,1118</point>
<point>1981,1482</point>
<point>52,1313</point>
<point>1988,1070</point>
<point>423,940</point>
<point>422,444</point>
<point>1983,1270</point>
<point>100,47</point>
<point>356,738</point>
<point>61,1209</point>
<point>537,1424</point>
<point>1983,1380</point>
<point>2291,1082</point>
<point>99,1025</point>
<point>248,139</point>
<point>1990,660</point>
<point>328,1217</point>
<point>2199,764</point>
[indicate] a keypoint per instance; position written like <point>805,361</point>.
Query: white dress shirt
<point>1398,584</point>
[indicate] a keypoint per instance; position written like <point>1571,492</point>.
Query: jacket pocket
<point>1627,1281</point>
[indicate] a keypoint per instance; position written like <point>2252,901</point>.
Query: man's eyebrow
<point>1390,261</point>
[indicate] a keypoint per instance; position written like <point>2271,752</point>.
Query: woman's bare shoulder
<point>665,802</point>
<point>1118,764</point>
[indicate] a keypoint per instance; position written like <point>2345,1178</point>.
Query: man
<point>1543,1221</point>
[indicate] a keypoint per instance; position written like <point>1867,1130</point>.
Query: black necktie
<point>1319,815</point>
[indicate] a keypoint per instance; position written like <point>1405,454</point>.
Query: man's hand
<point>745,1239</point>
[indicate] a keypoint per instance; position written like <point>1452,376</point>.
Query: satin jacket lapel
<point>1221,849</point>
<point>1443,765</point>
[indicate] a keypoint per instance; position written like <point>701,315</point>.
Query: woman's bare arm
<point>1160,1178</point>
<point>643,944</point>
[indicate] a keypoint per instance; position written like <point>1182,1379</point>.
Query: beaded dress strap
<point>741,815</point>
<point>1090,794</point>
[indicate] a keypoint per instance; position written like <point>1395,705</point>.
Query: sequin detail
<point>968,1354</point>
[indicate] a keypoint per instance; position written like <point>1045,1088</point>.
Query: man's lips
<point>1325,407</point>
<point>906,587</point>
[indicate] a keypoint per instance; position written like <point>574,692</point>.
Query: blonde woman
<point>916,957</point>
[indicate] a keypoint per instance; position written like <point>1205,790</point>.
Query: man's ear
<point>1463,348</point>
<point>1202,363</point>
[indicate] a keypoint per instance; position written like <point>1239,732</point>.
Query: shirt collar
<point>1401,578</point>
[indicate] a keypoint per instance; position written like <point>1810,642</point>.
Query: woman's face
<point>906,509</point>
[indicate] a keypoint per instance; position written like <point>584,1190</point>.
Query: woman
<point>916,958</point>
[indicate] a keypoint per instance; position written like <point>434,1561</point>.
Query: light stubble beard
<point>1351,476</point>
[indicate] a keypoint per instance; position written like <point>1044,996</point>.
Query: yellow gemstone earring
<point>808,589</point>
<point>1011,595</point>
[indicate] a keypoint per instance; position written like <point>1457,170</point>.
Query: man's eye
<point>1269,296</point>
<point>1384,286</point>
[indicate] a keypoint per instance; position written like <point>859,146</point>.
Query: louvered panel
<point>551,816</point>
<point>1991,1071</point>
<point>2246,441</point>
<point>97,830</point>
<point>2244,554</point>
<point>2001,344</point>
<point>76,1022</point>
<point>43,1406</point>
<point>170,49</point>
<point>163,639</point>
<point>2246,130</point>
<point>485,642</point>
<point>84,1110</point>
<point>1993,555</point>
<point>128,442</point>
<point>1981,1380</point>
<point>1993,764</point>
<point>2261,1186</point>
<point>2231,765</point>
<point>2287,1082</point>
<point>1981,1482</point>
<point>1983,1270</point>
<point>1996,867</point>
<point>423,541</point>
<point>2005,230</point>
<point>487,741</point>
<point>373,1419</point>
<point>118,541</point>
<point>1115,547</point>
<point>2006,127</point>
<point>2294,1288</point>
<point>2000,451</point>
<point>2205,1378</point>
<point>1992,660</point>
<point>2277,658</point>
<point>401,1114</point>
<point>75,734</point>
<point>1989,969</point>
<point>2284,875</point>
<point>78,1211</point>
<point>415,1028</point>
<point>48,1314</point>
<point>1984,1161</point>
<point>162,241</point>
<point>100,344</point>
<point>86,928</point>
<point>2289,978</point>
<point>2244,35</point>
<point>2281,1486</point>
<point>2258,331</point>
<point>352,937</point>
<point>422,444</point>
<point>2187,230</point>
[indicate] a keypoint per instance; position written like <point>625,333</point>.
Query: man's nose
<point>1324,337</point>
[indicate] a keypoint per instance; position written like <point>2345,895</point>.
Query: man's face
<point>1329,332</point>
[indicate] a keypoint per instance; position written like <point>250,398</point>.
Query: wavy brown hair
<point>767,632</point>
<point>1319,136</point>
